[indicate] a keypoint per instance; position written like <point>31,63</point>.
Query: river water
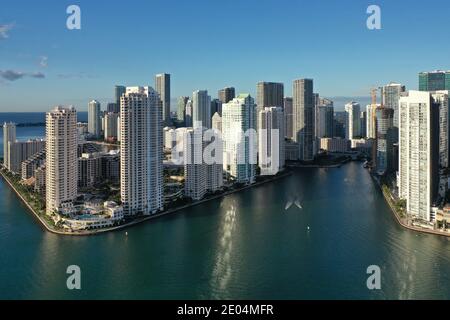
<point>243,246</point>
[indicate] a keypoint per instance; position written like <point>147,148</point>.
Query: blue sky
<point>211,44</point>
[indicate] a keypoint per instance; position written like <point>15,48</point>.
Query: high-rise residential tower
<point>390,94</point>
<point>226,94</point>
<point>418,153</point>
<point>162,86</point>
<point>201,109</point>
<point>324,118</point>
<point>385,139</point>
<point>441,97</point>
<point>118,92</point>
<point>202,174</point>
<point>271,152</point>
<point>371,129</point>
<point>61,158</point>
<point>353,121</point>
<point>240,138</point>
<point>141,151</point>
<point>288,117</point>
<point>269,94</point>
<point>188,117</point>
<point>94,118</point>
<point>9,135</point>
<point>111,126</point>
<point>303,122</point>
<point>181,108</point>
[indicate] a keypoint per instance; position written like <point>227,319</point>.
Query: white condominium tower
<point>111,125</point>
<point>271,140</point>
<point>201,109</point>
<point>195,170</point>
<point>303,119</point>
<point>94,118</point>
<point>9,135</point>
<point>61,158</point>
<point>353,120</point>
<point>239,138</point>
<point>203,173</point>
<point>418,153</point>
<point>371,124</point>
<point>162,86</point>
<point>141,151</point>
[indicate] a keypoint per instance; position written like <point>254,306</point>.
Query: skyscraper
<point>181,108</point>
<point>288,116</point>
<point>94,118</point>
<point>363,122</point>
<point>188,117</point>
<point>9,135</point>
<point>340,124</point>
<point>202,174</point>
<point>162,86</point>
<point>371,129</point>
<point>111,126</point>
<point>61,158</point>
<point>118,92</point>
<point>201,109</point>
<point>385,139</point>
<point>195,170</point>
<point>226,94</point>
<point>324,119</point>
<point>390,94</point>
<point>303,122</point>
<point>216,106</point>
<point>441,97</point>
<point>353,121</point>
<point>141,151</point>
<point>239,138</point>
<point>435,80</point>
<point>113,107</point>
<point>271,154</point>
<point>19,151</point>
<point>269,94</point>
<point>418,153</point>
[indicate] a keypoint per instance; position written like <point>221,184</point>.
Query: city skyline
<point>31,57</point>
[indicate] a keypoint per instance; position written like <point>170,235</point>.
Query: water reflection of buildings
<point>222,271</point>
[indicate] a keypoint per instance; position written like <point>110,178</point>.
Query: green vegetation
<point>398,204</point>
<point>33,199</point>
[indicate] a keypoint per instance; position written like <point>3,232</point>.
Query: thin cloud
<point>37,75</point>
<point>13,75</point>
<point>4,30</point>
<point>43,62</point>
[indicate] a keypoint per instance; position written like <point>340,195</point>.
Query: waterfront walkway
<point>405,222</point>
